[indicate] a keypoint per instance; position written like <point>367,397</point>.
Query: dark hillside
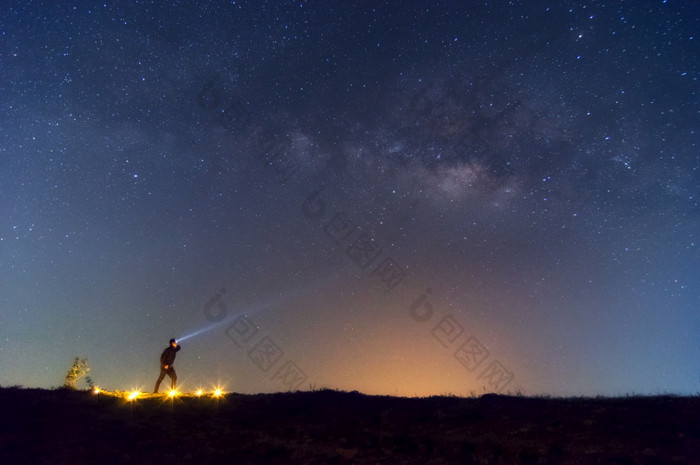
<point>73,427</point>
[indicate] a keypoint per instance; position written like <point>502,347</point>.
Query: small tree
<point>78,370</point>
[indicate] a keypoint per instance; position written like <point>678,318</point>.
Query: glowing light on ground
<point>215,393</point>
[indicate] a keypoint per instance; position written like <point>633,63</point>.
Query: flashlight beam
<point>255,308</point>
<point>196,332</point>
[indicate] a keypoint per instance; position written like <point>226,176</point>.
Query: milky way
<point>411,201</point>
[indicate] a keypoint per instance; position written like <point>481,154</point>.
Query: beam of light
<point>133,395</point>
<point>96,390</point>
<point>197,332</point>
<point>199,392</point>
<point>232,313</point>
<point>173,393</point>
<point>218,392</point>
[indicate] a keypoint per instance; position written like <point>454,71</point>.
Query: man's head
<point>173,342</point>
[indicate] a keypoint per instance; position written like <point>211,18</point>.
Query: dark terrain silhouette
<point>325,427</point>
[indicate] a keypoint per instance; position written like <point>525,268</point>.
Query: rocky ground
<point>329,427</point>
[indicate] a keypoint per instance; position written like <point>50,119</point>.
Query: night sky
<point>405,199</point>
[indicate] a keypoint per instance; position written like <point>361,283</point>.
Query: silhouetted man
<point>167,358</point>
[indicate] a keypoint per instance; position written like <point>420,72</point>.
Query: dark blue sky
<point>410,200</point>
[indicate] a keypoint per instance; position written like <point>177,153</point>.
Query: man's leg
<point>160,378</point>
<point>173,377</point>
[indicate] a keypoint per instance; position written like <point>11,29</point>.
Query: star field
<point>432,199</point>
